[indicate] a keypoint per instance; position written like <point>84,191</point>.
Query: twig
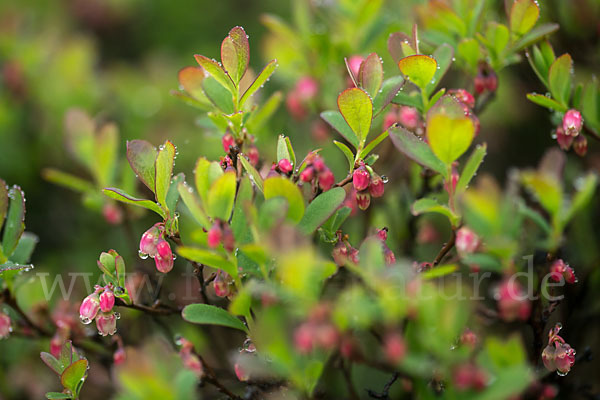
<point>344,181</point>
<point>348,378</point>
<point>211,377</point>
<point>198,272</point>
<point>12,302</point>
<point>447,247</point>
<point>385,394</point>
<point>159,309</point>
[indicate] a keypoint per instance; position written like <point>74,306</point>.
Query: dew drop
<point>384,179</point>
<point>85,320</point>
<point>117,315</point>
<point>142,255</point>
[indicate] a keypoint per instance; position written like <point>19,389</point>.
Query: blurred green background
<point>118,61</point>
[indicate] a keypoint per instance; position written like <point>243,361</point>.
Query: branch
<point>447,247</point>
<point>348,378</point>
<point>385,394</point>
<point>157,309</point>
<point>211,377</point>
<point>12,302</point>
<point>344,181</point>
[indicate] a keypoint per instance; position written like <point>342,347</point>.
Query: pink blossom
<point>5,327</point>
<point>572,122</point>
<point>467,241</point>
<point>361,178</point>
<point>89,308</point>
<point>285,166</point>
<point>106,323</point>
<point>164,256</point>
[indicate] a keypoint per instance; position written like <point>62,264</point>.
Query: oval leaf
<point>208,258</point>
<point>205,314</point>
<point>419,69</point>
<point>370,74</point>
<point>221,197</point>
<point>523,16</point>
<point>215,70</point>
<point>415,149</point>
<point>15,220</point>
<point>357,109</point>
<point>120,195</point>
<point>73,375</point>
<point>320,209</point>
<point>279,186</point>
<point>235,53</point>
<point>560,79</point>
<point>142,157</point>
<point>337,122</point>
<point>164,171</point>
<point>260,80</point>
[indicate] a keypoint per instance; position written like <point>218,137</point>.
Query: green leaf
<point>337,122</point>
<point>560,79</point>
<point>357,109</point>
<point>118,194</point>
<point>205,314</point>
<point>415,149</point>
<point>523,16</point>
<point>281,187</point>
<point>590,105</point>
<point>24,249</point>
<point>15,221</point>
<point>259,117</point>
<point>79,131</point>
<point>164,172</point>
<point>449,131</point>
<point>428,205</point>
<point>58,395</point>
<point>260,80</point>
<point>547,102</point>
<point>443,55</point>
<point>585,192</point>
<point>218,95</point>
<point>66,180</point>
<point>221,197</point>
<point>190,78</point>
<point>368,148</point>
<point>468,49</point>
<point>120,269</point>
<point>283,151</point>
<point>546,188</point>
<point>3,201</point>
<point>399,45</point>
<point>73,375</point>
<point>419,69</point>
<point>336,220</point>
<point>52,362</point>
<point>208,258</point>
<point>106,143</point>
<point>193,204</point>
<point>439,271</point>
<point>256,178</point>
<point>370,74</point>
<point>498,37</point>
<point>240,224</point>
<point>241,303</point>
<point>142,156</point>
<point>235,53</point>
<point>205,174</point>
<point>173,193</point>
<point>215,70</point>
<point>471,167</point>
<point>535,35</point>
<point>347,152</point>
<point>320,209</point>
<point>389,89</point>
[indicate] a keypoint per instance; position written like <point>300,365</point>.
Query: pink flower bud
<point>149,240</point>
<point>548,392</point>
<point>221,284</point>
<point>394,348</point>
<point>106,323</point>
<point>469,338</point>
<point>560,269</point>
<point>479,83</point>
<point>295,107</point>
<point>303,338</point>
<point>469,376</point>
<point>164,256</point>
<point>409,117</point>
<point>353,255</point>
<point>463,96</point>
<point>377,186</point>
<point>5,327</point>
<point>572,122</point>
<point>390,118</point>
<point>107,300</point>
<point>319,131</point>
<point>340,253</point>
<point>306,88</point>
<point>491,81</point>
<point>326,179</point>
<point>89,308</point>
<point>215,235</point>
<point>228,141</point>
<point>228,238</point>
<point>388,256</point>
<point>318,164</point>
<point>285,166</point>
<point>253,155</point>
<point>363,199</point>
<point>112,213</point>
<point>382,234</point>
<point>307,174</point>
<point>512,301</point>
<point>580,145</point>
<point>466,241</point>
<point>119,356</point>
<point>361,178</point>
<point>564,358</point>
<point>548,356</point>
<point>56,344</point>
<point>354,63</point>
<point>241,374</point>
<point>563,140</point>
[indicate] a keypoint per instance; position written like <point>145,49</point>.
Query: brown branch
<point>447,247</point>
<point>157,309</point>
<point>385,394</point>
<point>12,302</point>
<point>344,181</point>
<point>346,371</point>
<point>211,377</point>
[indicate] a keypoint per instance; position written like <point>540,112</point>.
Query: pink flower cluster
<point>317,170</point>
<point>467,241</point>
<point>220,233</point>
<point>99,306</point>
<point>367,183</point>
<point>558,356</point>
<point>568,134</point>
<point>154,244</point>
<point>317,332</point>
<point>559,270</point>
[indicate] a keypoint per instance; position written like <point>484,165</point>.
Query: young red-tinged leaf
<point>260,80</point>
<point>449,131</point>
<point>560,78</point>
<point>142,157</point>
<point>3,201</point>
<point>370,74</point>
<point>357,109</point>
<point>207,257</point>
<point>217,72</point>
<point>210,315</point>
<point>523,16</point>
<point>235,53</point>
<point>164,171</point>
<point>190,78</point>
<point>389,90</point>
<point>419,69</point>
<point>415,149</point>
<point>337,122</point>
<point>221,197</point>
<point>52,362</point>
<point>118,194</point>
<point>74,375</point>
<point>15,221</point>
<point>282,187</point>
<point>399,45</point>
<point>320,209</point>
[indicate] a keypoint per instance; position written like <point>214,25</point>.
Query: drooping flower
<point>164,256</point>
<point>361,178</point>
<point>572,122</point>
<point>107,300</point>
<point>467,241</point>
<point>106,323</point>
<point>89,308</point>
<point>558,355</point>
